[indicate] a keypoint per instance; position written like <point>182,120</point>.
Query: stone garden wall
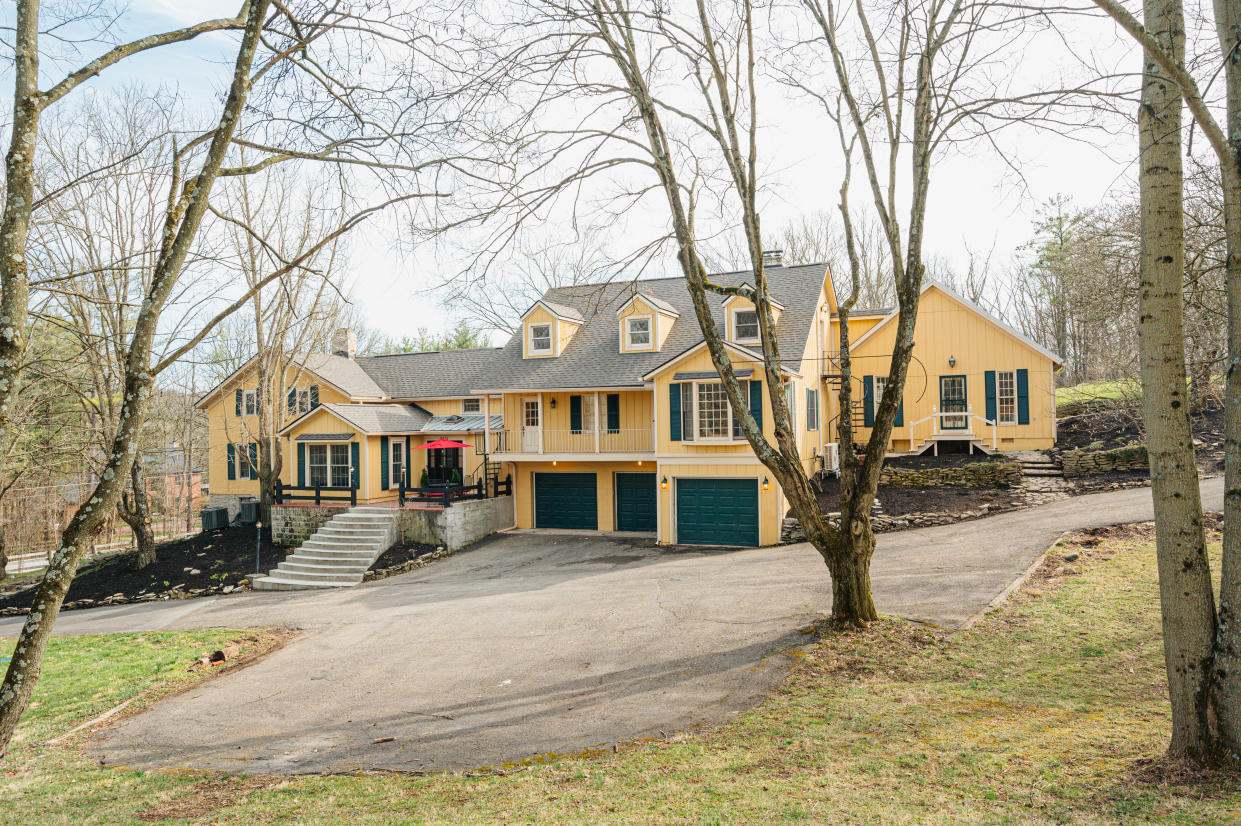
<point>293,524</point>
<point>1089,462</point>
<point>974,475</point>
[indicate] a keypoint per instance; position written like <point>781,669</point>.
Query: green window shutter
<point>868,401</point>
<point>314,396</point>
<point>743,386</point>
<point>238,400</point>
<point>613,412</point>
<point>408,461</point>
<point>383,462</point>
<point>292,401</point>
<point>575,414</point>
<point>674,412</point>
<point>355,461</point>
<point>301,464</point>
<point>900,414</point>
<point>254,460</point>
<point>756,402</point>
<point>1023,397</point>
<point>989,383</point>
<point>232,461</point>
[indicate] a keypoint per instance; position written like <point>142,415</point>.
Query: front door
<point>952,399</point>
<point>531,425</point>
<point>441,464</point>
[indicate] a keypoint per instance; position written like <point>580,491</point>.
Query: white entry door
<point>531,425</point>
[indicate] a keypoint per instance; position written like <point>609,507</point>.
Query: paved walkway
<point>533,644</point>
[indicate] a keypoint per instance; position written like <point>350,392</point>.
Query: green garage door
<point>717,512</point>
<point>566,500</point>
<point>635,502</point>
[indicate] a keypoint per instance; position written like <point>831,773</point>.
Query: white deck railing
<point>625,440</point>
<point>917,433</point>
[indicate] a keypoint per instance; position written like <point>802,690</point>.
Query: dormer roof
<point>651,301</point>
<point>563,312</point>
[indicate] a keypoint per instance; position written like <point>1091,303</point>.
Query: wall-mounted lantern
<point>766,484</point>
<point>663,483</point>
<point>952,362</point>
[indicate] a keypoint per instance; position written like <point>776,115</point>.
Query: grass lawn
<point>1051,710</point>
<point>1095,390</point>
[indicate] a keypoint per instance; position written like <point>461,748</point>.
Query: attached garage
<point>717,512</point>
<point>566,500</point>
<point>636,508</point>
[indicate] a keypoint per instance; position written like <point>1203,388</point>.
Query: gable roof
<point>969,305</point>
<point>371,418</point>
<point>342,373</point>
<point>565,312</point>
<point>435,374</point>
<point>662,306</point>
<point>593,358</point>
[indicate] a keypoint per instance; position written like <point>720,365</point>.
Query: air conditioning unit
<point>249,511</point>
<point>214,519</point>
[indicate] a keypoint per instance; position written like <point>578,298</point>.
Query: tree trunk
<point>1228,638</point>
<point>135,509</point>
<point>1186,598</point>
<point>4,557</point>
<point>849,565</point>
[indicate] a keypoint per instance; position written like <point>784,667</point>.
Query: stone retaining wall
<point>293,524</point>
<point>1088,462</point>
<point>791,531</point>
<point>975,475</point>
<point>461,524</point>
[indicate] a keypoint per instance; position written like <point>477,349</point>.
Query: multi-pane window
<point>639,332</point>
<point>588,414</point>
<point>881,383</point>
<point>713,413</point>
<point>745,325</point>
<point>247,459</point>
<point>790,399</point>
<point>251,406</point>
<point>540,338</point>
<point>398,464</point>
<point>329,465</point>
<point>471,405</point>
<point>299,401</point>
<point>812,409</point>
<point>1006,396</point>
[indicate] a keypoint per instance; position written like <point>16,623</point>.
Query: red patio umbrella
<point>440,443</point>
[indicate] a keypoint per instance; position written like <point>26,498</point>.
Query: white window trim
<point>478,402</point>
<point>394,478</point>
<point>1016,415</point>
<point>697,437</point>
<point>629,346</point>
<point>551,338</point>
<point>328,467</point>
<point>812,421</point>
<point>737,339</point>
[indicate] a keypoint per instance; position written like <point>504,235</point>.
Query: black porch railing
<point>315,493</point>
<point>444,494</point>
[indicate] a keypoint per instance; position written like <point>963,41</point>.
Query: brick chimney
<point>345,343</point>
<point>772,259</point>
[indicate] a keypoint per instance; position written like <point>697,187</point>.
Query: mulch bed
<point>902,501</point>
<point>1108,426</point>
<point>206,564</point>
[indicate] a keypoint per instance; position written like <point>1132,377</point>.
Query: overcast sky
<point>976,201</point>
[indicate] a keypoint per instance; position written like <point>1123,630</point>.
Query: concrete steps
<point>338,554</point>
<point>1039,465</point>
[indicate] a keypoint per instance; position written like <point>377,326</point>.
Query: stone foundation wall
<point>974,475</point>
<point>459,525</point>
<point>232,501</point>
<point>291,525</point>
<point>1089,462</point>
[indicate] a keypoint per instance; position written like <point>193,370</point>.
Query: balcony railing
<point>631,440</point>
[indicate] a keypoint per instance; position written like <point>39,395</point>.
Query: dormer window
<point>745,325</point>
<point>540,338</point>
<point>638,333</point>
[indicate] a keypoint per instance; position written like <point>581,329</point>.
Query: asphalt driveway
<point>532,644</point>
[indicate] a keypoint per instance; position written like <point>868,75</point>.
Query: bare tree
<point>1202,646</point>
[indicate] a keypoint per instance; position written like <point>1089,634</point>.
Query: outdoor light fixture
<point>553,402</point>
<point>554,463</point>
<point>766,484</point>
<point>663,483</point>
<point>639,463</point>
<point>952,362</point>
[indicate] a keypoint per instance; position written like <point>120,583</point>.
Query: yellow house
<point>604,409</point>
<point>974,382</point>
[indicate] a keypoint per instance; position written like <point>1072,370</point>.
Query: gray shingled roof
<point>431,375</point>
<point>563,310</point>
<point>343,372</point>
<point>382,418</point>
<point>593,358</point>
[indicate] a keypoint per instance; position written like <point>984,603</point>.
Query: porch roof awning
<point>324,437</point>
<point>709,374</point>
